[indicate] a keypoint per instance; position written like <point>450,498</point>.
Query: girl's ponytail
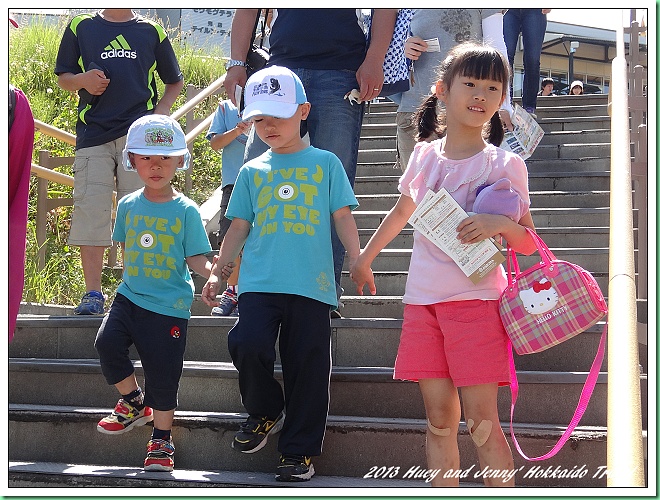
<point>425,118</point>
<point>496,130</point>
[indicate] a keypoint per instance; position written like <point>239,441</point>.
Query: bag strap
<point>587,390</point>
<point>546,255</point>
<point>254,30</point>
<point>263,28</point>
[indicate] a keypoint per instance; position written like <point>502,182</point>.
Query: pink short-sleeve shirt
<point>433,277</point>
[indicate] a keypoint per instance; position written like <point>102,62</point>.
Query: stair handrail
<point>625,455</point>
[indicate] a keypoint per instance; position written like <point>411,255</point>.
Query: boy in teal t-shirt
<point>281,210</point>
<point>161,233</point>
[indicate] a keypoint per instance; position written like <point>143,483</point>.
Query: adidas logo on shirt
<point>119,47</point>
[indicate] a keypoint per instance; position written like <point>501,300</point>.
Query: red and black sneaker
<point>160,455</point>
<point>123,418</point>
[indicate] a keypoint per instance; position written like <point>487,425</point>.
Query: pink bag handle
<point>582,403</point>
<point>546,255</point>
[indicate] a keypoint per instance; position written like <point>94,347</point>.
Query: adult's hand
<point>370,78</point>
<point>414,47</point>
<point>236,75</point>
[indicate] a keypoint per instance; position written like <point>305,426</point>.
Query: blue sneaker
<point>228,302</point>
<point>234,313</point>
<point>92,303</point>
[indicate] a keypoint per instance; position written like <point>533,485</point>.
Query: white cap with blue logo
<point>156,135</point>
<point>273,91</point>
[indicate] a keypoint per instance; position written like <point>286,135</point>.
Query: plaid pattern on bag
<point>549,303</point>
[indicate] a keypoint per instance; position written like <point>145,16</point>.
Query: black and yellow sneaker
<point>294,468</point>
<point>253,433</point>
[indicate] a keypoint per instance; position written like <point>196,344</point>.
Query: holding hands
<point>212,286</point>
<point>362,274</point>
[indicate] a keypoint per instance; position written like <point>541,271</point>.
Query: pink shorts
<point>461,340</point>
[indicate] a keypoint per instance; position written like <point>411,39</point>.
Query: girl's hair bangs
<point>484,65</point>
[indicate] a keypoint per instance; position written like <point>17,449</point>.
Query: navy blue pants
<point>303,325</point>
<point>532,24</point>
<point>160,341</point>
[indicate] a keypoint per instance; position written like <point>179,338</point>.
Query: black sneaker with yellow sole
<point>294,468</point>
<point>253,433</point>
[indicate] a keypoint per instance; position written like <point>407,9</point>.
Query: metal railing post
<point>42,211</point>
<point>625,454</point>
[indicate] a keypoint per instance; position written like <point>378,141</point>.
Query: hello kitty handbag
<point>545,305</point>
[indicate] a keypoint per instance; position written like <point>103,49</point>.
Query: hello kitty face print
<point>539,299</point>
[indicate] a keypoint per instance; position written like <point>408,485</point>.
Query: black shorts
<point>160,341</point>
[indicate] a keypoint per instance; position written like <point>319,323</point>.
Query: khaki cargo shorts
<point>97,172</point>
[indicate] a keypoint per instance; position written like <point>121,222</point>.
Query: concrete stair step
<point>377,155</point>
<point>574,123</point>
<point>354,391</point>
<point>569,181</point>
<point>379,117</point>
<point>574,166</point>
<point>367,341</point>
<point>569,237</point>
<point>378,142</point>
<point>394,282</point>
<point>53,474</point>
<point>593,259</point>
<point>557,151</point>
<point>539,199</point>
<point>377,169</point>
<point>391,306</point>
<point>543,217</point>
<point>378,129</point>
<point>568,100</point>
<point>575,109</point>
<point>352,446</point>
<point>576,136</point>
<point>388,181</point>
<point>562,217</point>
<point>403,240</point>
<point>571,151</point>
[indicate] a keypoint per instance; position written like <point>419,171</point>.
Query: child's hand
<point>244,127</point>
<point>227,270</point>
<point>210,291</point>
<point>361,273</point>
<point>479,227</point>
<point>94,81</point>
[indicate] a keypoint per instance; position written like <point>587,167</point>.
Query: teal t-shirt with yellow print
<point>158,238</point>
<point>289,200</point>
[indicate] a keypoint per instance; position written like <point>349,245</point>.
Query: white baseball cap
<point>273,91</point>
<point>157,135</point>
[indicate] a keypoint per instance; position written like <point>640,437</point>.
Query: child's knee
<point>480,431</point>
<point>444,430</point>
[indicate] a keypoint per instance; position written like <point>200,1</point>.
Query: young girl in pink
<point>452,335</point>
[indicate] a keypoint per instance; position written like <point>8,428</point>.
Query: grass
<point>32,55</point>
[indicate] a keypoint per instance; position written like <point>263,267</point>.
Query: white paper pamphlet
<point>433,45</point>
<point>526,134</point>
<point>437,216</point>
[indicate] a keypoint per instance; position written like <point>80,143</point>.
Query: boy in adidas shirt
<point>161,233</point>
<point>110,58</point>
<point>281,208</point>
